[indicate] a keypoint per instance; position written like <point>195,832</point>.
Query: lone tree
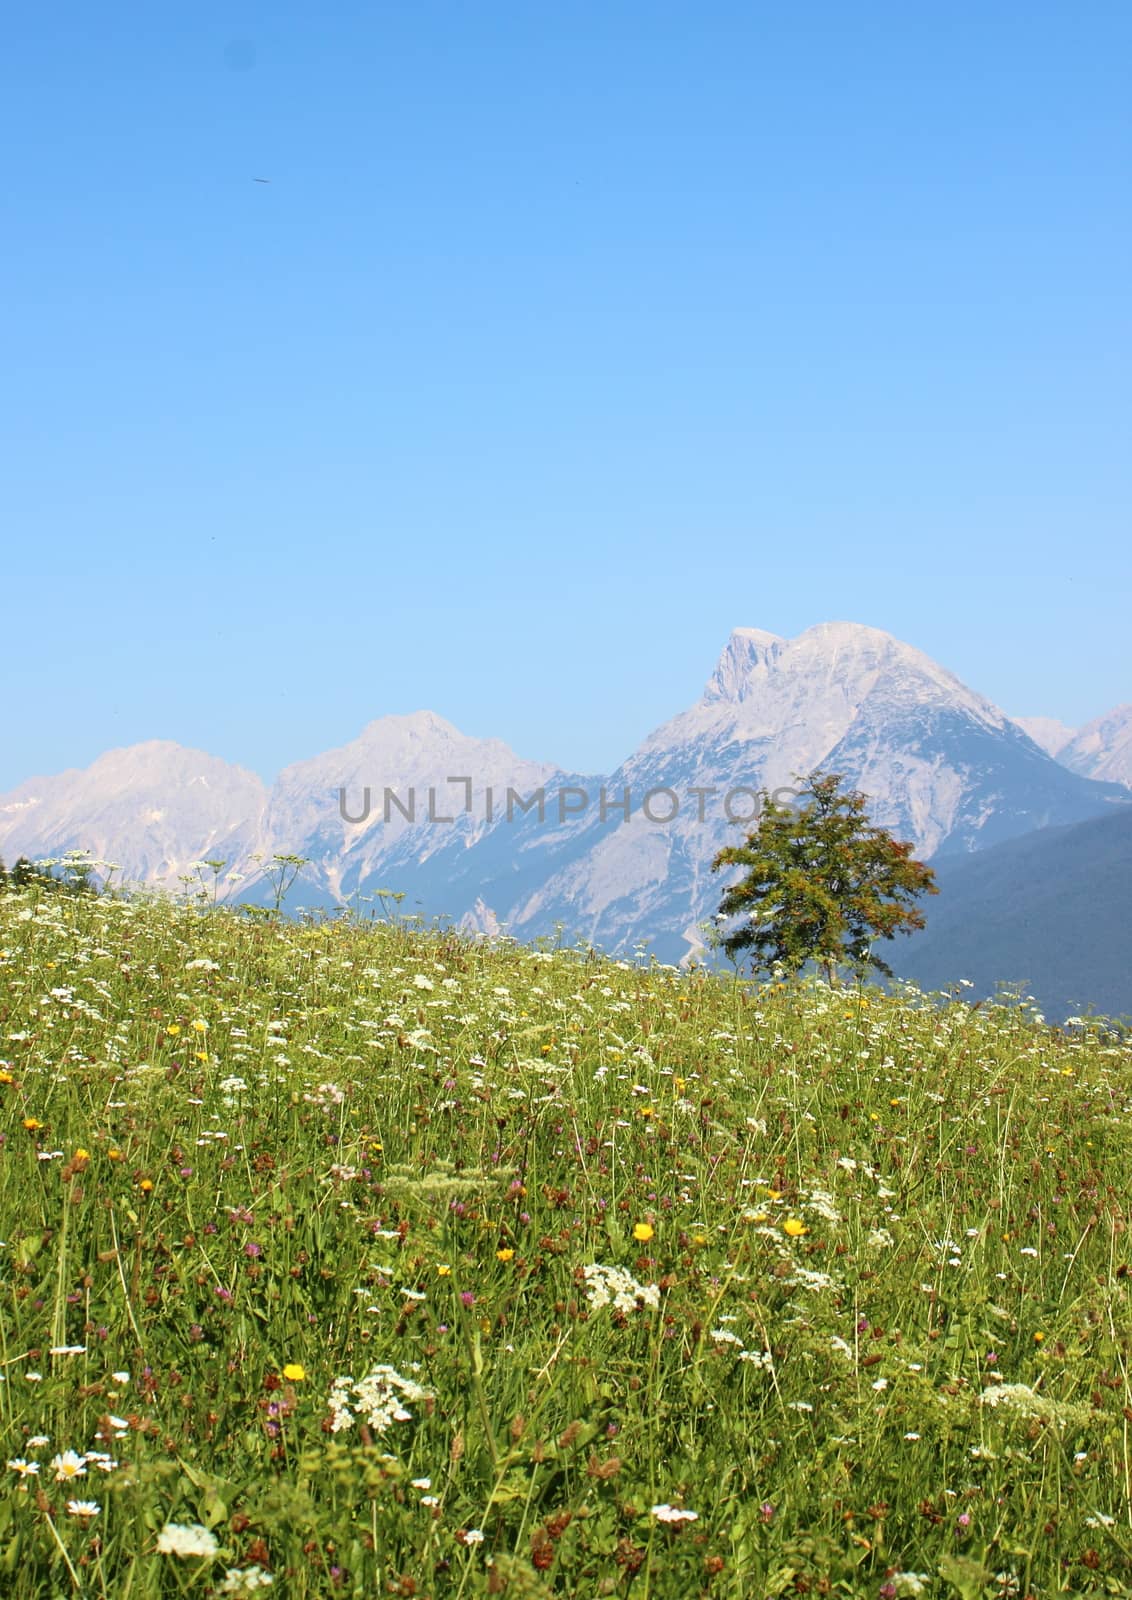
<point>822,883</point>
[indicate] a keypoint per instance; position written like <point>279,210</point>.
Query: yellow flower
<point>200,1027</point>
<point>794,1227</point>
<point>774,1194</point>
<point>202,1055</point>
<point>146,1186</point>
<point>81,1155</point>
<point>6,1077</point>
<point>295,1372</point>
<point>504,1255</point>
<point>114,1155</point>
<point>643,1232</point>
<point>1039,1338</point>
<point>173,1029</point>
<point>32,1123</point>
<point>444,1270</point>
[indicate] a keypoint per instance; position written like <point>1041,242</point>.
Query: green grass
<point>243,1160</point>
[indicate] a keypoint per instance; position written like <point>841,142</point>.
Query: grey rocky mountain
<point>467,829</point>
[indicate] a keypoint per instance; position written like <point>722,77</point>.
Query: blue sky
<point>563,339</point>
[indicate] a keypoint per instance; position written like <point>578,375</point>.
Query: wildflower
<point>794,1227</point>
<point>474,1536</point>
<point>504,1255</point>
<point>83,1509</point>
<point>25,1469</point>
<point>422,1483</point>
<point>667,1513</point>
<point>825,1205</point>
<point>32,1124</point>
<point>187,1539</point>
<point>245,1580</point>
<point>643,1232</point>
<point>295,1372</point>
<point>68,1465</point>
<point>378,1397</point>
<point>612,1285</point>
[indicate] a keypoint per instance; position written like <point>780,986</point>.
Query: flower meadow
<point>357,1259</point>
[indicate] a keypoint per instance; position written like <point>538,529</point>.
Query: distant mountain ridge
<point>1101,749</point>
<point>1047,914</point>
<point>153,809</point>
<point>942,765</point>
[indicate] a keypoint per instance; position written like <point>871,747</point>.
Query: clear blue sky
<point>564,338</point>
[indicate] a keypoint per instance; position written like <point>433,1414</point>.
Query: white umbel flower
<point>186,1540</point>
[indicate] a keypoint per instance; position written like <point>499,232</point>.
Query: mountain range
<point>1043,915</point>
<point>469,830</point>
<point>1101,749</point>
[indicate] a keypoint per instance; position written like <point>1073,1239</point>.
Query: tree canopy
<point>821,883</point>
